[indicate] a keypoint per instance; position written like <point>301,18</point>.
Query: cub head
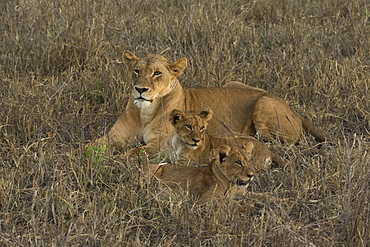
<point>153,76</point>
<point>235,163</point>
<point>190,127</point>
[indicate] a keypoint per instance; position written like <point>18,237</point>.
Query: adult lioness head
<point>153,76</point>
<point>189,126</point>
<point>234,163</point>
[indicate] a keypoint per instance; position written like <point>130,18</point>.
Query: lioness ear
<point>179,66</point>
<point>207,115</point>
<point>175,116</point>
<point>129,59</point>
<point>223,152</point>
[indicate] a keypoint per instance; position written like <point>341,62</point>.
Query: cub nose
<point>141,89</point>
<point>195,140</point>
<point>250,176</point>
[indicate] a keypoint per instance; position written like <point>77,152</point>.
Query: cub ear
<point>129,59</point>
<point>207,115</point>
<point>222,153</point>
<point>248,148</point>
<point>178,67</point>
<point>175,116</point>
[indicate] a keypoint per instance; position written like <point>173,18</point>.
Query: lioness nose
<point>141,89</point>
<point>196,140</point>
<point>250,175</point>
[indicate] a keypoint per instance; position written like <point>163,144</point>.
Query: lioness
<point>190,141</point>
<point>156,91</point>
<point>229,169</point>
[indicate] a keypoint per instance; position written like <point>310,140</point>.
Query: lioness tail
<point>319,134</point>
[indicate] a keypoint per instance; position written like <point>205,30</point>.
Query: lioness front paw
<point>137,152</point>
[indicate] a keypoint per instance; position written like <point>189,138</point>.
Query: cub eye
<point>189,126</point>
<point>202,128</point>
<point>136,71</point>
<point>239,162</point>
<point>157,73</point>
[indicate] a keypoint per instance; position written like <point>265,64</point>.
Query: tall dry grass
<point>62,84</point>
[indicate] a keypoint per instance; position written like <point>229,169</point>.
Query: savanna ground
<point>62,84</point>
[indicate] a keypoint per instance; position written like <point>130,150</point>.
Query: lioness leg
<point>123,132</point>
<point>273,116</point>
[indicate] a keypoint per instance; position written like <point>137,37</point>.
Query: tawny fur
<point>156,91</point>
<point>190,142</point>
<point>220,179</point>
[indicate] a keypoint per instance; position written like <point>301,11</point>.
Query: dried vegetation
<point>62,84</point>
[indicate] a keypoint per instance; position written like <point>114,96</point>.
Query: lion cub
<point>221,178</point>
<point>190,141</point>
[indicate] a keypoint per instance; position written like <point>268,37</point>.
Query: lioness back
<point>231,109</point>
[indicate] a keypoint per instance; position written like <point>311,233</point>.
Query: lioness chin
<point>190,142</point>
<point>156,91</point>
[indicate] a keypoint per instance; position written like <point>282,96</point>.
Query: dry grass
<point>62,85</point>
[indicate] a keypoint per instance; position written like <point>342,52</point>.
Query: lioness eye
<point>239,162</point>
<point>189,127</point>
<point>201,128</point>
<point>136,71</point>
<point>157,73</point>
